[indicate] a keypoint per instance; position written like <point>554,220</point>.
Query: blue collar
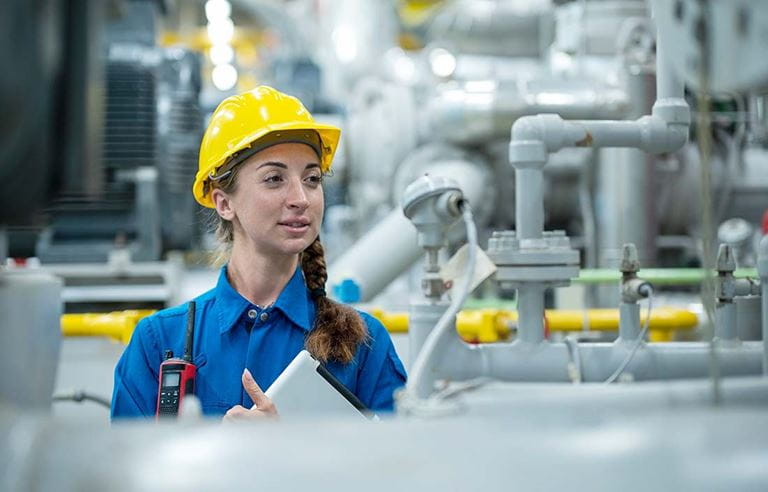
<point>293,302</point>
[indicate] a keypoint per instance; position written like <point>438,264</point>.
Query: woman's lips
<point>295,227</point>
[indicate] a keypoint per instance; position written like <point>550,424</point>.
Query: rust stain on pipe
<point>586,141</point>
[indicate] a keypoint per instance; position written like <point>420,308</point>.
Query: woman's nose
<point>297,195</point>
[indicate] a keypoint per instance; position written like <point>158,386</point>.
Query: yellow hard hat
<point>240,122</point>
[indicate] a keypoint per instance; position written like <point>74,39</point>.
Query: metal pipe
<point>629,325</point>
<point>529,211</point>
<point>548,362</point>
<point>762,267</point>
<point>657,276</point>
<point>422,318</point>
<point>530,305</point>
<point>725,321</point>
<point>688,448</point>
<point>477,111</point>
<point>118,325</point>
<point>667,84</point>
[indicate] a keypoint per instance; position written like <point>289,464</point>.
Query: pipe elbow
<point>659,136</point>
<point>528,128</point>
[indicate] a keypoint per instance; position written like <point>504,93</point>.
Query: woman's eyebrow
<point>283,166</point>
<point>272,163</point>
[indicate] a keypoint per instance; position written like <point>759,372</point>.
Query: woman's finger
<point>260,400</point>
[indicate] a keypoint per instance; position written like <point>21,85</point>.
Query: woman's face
<point>277,205</point>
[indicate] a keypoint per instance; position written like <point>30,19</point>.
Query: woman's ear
<point>223,204</point>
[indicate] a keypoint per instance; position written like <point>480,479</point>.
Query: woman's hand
<point>262,405</point>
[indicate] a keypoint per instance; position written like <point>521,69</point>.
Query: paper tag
<point>453,272</point>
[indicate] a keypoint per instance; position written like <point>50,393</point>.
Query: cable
<point>638,342</point>
<point>80,395</point>
<point>444,324</point>
<point>574,362</point>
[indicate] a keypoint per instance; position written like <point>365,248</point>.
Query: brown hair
<point>338,329</point>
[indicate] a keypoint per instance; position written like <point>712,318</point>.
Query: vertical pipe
<point>625,206</point>
<point>762,268</point>
<point>667,84</point>
<point>530,308</point>
<point>725,321</point>
<point>629,321</point>
<point>422,317</point>
<point>529,202</point>
<point>765,322</point>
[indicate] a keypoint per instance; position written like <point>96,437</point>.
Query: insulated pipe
<point>762,267</point>
<point>478,111</point>
<point>387,250</point>
<point>378,257</point>
<point>549,362</point>
<point>607,445</point>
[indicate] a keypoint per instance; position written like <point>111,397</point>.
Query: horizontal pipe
<point>686,449</point>
<point>552,399</point>
<point>480,111</point>
<point>657,276</point>
<point>118,325</point>
<point>548,362</point>
<point>493,325</point>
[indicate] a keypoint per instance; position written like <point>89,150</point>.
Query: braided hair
<point>338,328</point>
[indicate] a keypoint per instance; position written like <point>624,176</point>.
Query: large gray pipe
<point>762,268</point>
<point>607,444</point>
<point>549,362</point>
<point>492,27</point>
<point>484,110</point>
<point>30,337</point>
<point>387,250</point>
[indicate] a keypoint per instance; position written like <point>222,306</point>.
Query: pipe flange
<point>551,275</point>
<point>553,248</point>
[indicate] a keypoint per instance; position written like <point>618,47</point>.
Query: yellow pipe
<point>493,325</point>
<point>118,325</point>
<point>473,325</point>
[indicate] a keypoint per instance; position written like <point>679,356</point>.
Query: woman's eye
<point>314,179</point>
<point>275,178</point>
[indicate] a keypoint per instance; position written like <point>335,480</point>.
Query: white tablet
<point>306,388</point>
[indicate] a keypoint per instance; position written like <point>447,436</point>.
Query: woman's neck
<point>258,278</point>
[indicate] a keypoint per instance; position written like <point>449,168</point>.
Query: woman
<point>262,162</point>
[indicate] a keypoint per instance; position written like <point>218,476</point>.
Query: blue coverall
<point>232,334</point>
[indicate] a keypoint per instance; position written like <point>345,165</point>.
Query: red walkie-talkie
<point>177,376</point>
